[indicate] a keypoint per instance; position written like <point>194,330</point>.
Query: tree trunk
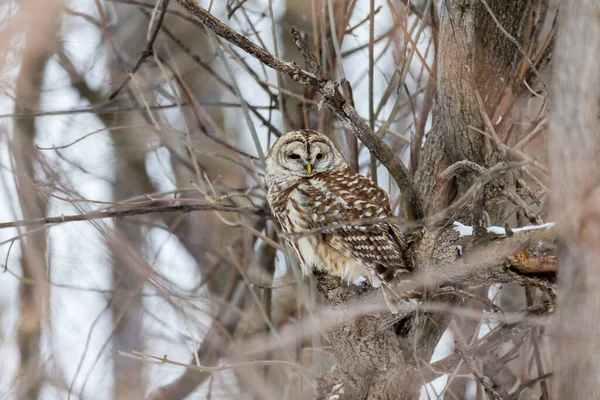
<point>474,57</point>
<point>128,246</point>
<point>573,149</point>
<point>128,243</point>
<point>40,44</point>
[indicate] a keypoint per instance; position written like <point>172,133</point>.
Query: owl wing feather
<point>345,198</point>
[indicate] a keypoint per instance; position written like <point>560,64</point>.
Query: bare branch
<point>183,208</point>
<point>331,95</point>
<point>147,53</point>
<point>492,341</point>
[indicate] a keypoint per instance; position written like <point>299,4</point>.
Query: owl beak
<point>309,168</point>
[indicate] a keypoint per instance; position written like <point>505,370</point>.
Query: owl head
<point>303,153</point>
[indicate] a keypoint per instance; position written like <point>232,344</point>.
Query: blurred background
<point>127,105</point>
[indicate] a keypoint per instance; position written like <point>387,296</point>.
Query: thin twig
<point>147,53</point>
<point>184,208</point>
<point>279,80</point>
<point>426,106</point>
<point>354,122</point>
<point>334,39</point>
<point>238,92</point>
<point>371,83</point>
<point>478,209</point>
<point>331,96</point>
<point>484,380</point>
<point>362,22</point>
<point>150,359</point>
<point>405,70</point>
<point>351,140</point>
<point>105,110</point>
<point>234,9</point>
<point>511,330</point>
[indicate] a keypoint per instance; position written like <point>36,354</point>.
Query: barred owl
<point>320,202</point>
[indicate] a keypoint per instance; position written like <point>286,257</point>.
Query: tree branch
<point>331,96</point>
<point>527,257</point>
<point>183,208</point>
<point>504,333</point>
<point>214,346</point>
<point>149,49</point>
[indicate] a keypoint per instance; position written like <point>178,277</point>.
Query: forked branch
<point>332,98</point>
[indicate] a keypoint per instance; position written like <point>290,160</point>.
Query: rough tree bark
<point>475,61</point>
<point>573,149</point>
<point>473,55</point>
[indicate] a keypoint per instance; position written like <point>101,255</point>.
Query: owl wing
<point>344,198</point>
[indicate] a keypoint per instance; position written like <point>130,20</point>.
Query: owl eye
<point>294,156</point>
<point>319,156</point>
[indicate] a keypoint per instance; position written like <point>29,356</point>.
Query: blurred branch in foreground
<point>134,132</point>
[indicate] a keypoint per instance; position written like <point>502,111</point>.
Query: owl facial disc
<point>302,154</point>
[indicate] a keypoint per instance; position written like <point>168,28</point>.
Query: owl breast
<point>294,207</point>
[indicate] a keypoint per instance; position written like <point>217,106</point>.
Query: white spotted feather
<point>330,217</point>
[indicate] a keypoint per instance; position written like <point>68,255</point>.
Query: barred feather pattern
<point>331,221</point>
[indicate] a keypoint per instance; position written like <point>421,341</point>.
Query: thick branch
<point>525,257</point>
<point>462,261</point>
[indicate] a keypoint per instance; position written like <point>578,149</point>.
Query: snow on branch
<point>464,230</point>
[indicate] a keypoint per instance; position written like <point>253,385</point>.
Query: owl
<point>330,214</point>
